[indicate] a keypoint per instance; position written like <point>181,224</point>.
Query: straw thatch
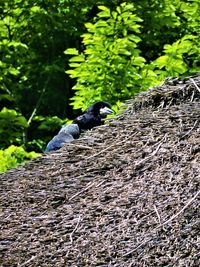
<point>125,194</point>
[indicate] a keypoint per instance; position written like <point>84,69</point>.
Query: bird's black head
<point>93,116</point>
<point>100,108</point>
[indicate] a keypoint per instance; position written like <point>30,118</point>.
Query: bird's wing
<point>58,141</point>
<point>71,129</point>
<point>53,145</point>
<point>82,121</point>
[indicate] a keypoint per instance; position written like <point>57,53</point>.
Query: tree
<point>119,50</point>
<point>110,67</point>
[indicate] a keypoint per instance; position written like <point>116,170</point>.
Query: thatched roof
<point>125,194</point>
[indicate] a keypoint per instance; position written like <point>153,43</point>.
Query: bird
<point>93,116</point>
<point>67,134</point>
<point>72,129</point>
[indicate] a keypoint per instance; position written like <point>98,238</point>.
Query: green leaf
<point>74,65</point>
<point>101,23</point>
<point>14,156</point>
<point>13,71</point>
<point>134,38</point>
<point>73,73</point>
<point>104,14</point>
<point>104,8</point>
<point>139,61</point>
<point>162,61</point>
<point>71,51</point>
<point>119,10</point>
<point>35,9</point>
<point>91,27</point>
<point>79,58</point>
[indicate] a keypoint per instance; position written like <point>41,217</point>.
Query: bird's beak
<point>106,111</point>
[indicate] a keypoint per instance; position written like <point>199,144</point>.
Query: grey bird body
<point>93,116</point>
<point>72,129</point>
<point>67,134</point>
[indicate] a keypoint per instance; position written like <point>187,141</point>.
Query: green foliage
<point>13,126</point>
<point>111,66</point>
<point>174,62</point>
<point>49,123</point>
<point>44,128</point>
<point>164,22</point>
<point>117,51</point>
<point>33,36</point>
<point>14,156</point>
<point>183,56</point>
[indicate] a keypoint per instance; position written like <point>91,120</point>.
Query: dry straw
<point>125,194</point>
